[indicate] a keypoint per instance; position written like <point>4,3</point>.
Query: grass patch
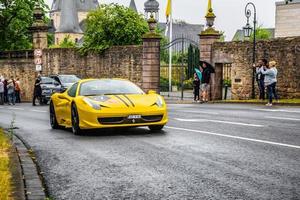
<point>5,175</point>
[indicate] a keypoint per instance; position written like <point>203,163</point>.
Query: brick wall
<point>285,51</point>
<point>117,62</point>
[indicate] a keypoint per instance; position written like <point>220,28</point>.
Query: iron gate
<point>185,57</point>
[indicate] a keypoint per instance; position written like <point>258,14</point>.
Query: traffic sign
<point>38,61</point>
<point>38,68</point>
<point>38,52</point>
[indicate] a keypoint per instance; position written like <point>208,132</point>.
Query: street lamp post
<point>247,33</point>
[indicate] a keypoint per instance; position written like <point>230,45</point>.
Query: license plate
<point>134,117</point>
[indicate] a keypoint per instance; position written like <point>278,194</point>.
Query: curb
<point>224,102</point>
<point>33,186</point>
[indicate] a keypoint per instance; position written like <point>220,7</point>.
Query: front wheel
<point>53,121</point>
<point>156,127</point>
<point>75,121</point>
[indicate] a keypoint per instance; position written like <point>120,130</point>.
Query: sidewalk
<point>188,98</point>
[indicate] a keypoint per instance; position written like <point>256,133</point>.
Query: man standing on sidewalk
<point>205,82</point>
<point>260,78</point>
<point>37,93</point>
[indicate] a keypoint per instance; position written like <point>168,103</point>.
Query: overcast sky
<point>230,13</point>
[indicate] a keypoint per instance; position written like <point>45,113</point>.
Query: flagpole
<point>170,50</point>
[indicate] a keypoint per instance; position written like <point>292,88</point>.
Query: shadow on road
<point>112,132</point>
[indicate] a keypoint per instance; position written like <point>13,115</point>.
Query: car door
<point>64,105</point>
<point>71,95</point>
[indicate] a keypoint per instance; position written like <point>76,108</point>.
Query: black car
<point>49,86</point>
<point>65,80</point>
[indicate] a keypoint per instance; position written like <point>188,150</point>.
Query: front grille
<point>111,120</point>
<point>125,120</point>
<point>152,118</point>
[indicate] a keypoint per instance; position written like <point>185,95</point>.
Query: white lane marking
<point>11,108</point>
<point>274,110</point>
<point>284,118</point>
<point>41,111</point>
<point>235,137</point>
<point>219,121</point>
<point>196,112</point>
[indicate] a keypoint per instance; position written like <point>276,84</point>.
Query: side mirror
<point>152,92</point>
<point>62,90</point>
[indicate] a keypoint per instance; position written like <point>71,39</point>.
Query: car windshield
<point>68,78</point>
<point>107,87</point>
<point>47,80</point>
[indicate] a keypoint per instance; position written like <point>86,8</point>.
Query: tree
<point>66,43</point>
<point>16,17</point>
<point>111,25</point>
<point>261,34</point>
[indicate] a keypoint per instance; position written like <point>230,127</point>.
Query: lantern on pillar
<point>151,10</point>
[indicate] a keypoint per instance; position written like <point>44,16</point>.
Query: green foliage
<point>16,17</point>
<point>261,34</point>
<point>111,25</point>
<point>188,84</point>
<point>223,36</point>
<point>66,43</point>
<point>164,84</point>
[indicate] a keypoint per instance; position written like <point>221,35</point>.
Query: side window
<point>72,90</point>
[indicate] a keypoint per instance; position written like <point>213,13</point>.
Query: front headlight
<point>92,103</point>
<point>159,102</point>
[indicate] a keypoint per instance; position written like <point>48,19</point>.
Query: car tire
<point>53,121</point>
<point>75,120</point>
<point>156,127</point>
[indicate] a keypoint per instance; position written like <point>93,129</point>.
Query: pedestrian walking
<point>260,77</point>
<point>270,81</point>
<point>11,92</point>
<point>18,90</point>
<point>196,85</point>
<point>37,92</point>
<point>205,82</point>
<point>1,92</point>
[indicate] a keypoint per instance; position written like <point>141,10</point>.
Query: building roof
<point>287,2</point>
<point>81,5</point>
<point>132,5</point>
<point>184,29</point>
<point>239,34</point>
<point>69,18</point>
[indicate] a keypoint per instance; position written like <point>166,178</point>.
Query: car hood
<point>50,86</point>
<point>126,101</point>
<point>67,85</point>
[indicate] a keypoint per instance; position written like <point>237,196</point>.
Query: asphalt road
<point>212,151</point>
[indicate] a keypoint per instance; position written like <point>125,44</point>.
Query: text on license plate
<point>134,116</point>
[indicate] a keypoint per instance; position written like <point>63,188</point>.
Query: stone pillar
<point>39,29</point>
<point>151,62</point>
<point>205,46</point>
<point>207,38</point>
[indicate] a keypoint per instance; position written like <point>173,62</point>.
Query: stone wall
<point>117,62</point>
<point>285,51</point>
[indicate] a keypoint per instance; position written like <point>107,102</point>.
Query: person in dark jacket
<point>205,82</point>
<point>260,77</point>
<point>196,84</point>
<point>37,93</point>
<point>5,91</point>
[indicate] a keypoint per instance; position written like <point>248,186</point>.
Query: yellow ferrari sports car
<point>106,103</point>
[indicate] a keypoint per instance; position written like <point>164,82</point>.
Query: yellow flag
<point>168,10</point>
